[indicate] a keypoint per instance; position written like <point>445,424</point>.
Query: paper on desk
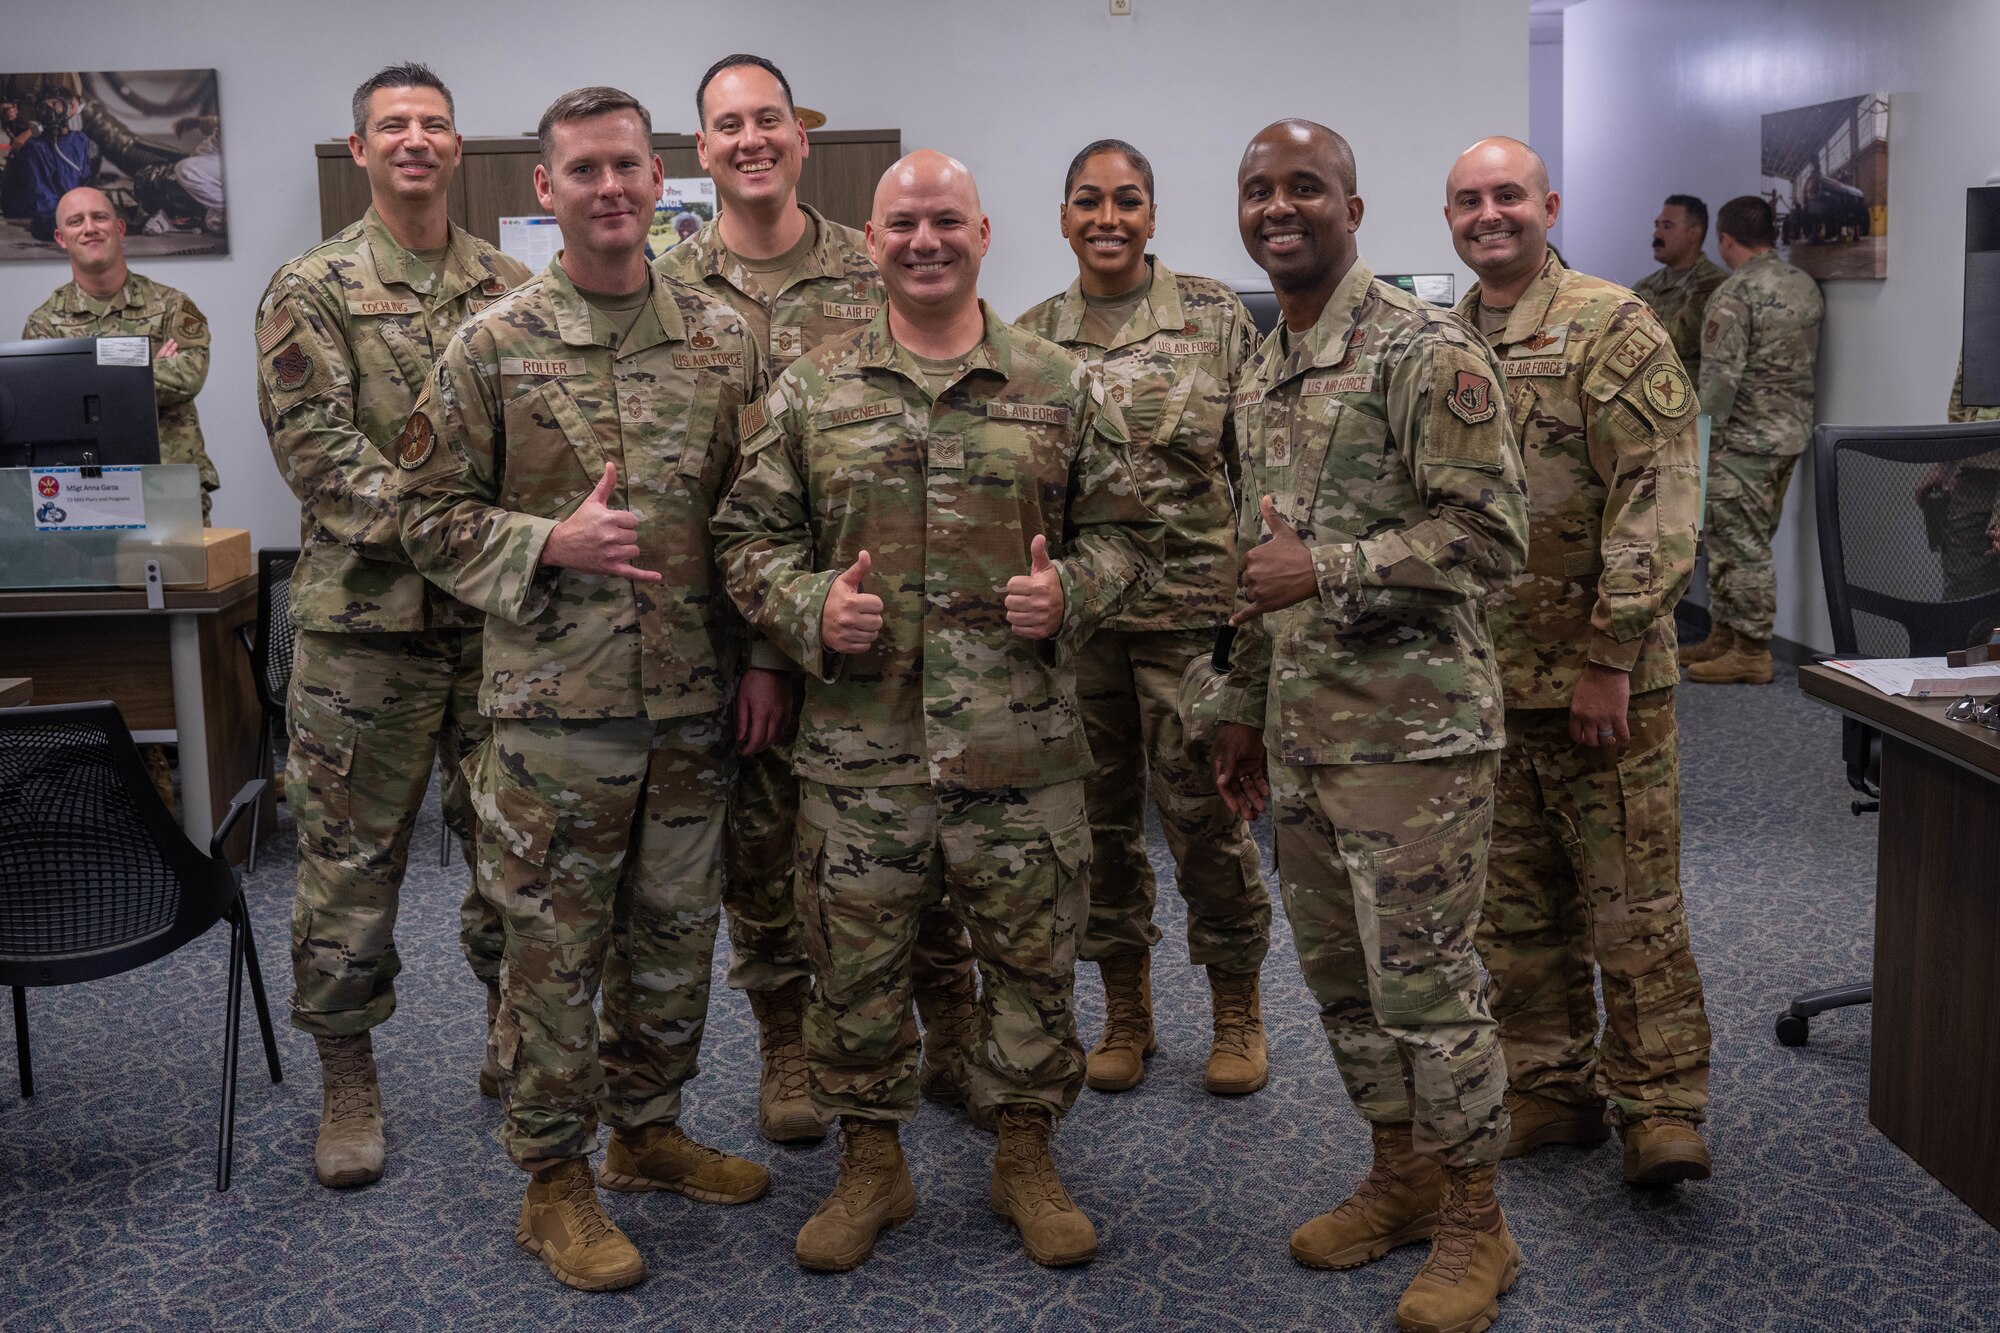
<point>1920,677</point>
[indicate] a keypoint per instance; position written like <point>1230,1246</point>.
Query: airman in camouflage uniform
<point>1585,863</point>
<point>1969,534</point>
<point>932,543</point>
<point>1758,353</point>
<point>1167,346</point>
<point>386,675</point>
<point>177,332</point>
<point>1679,289</point>
<point>822,287</point>
<point>1380,463</point>
<point>551,422</point>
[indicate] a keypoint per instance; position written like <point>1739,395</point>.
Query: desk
<point>16,691</point>
<point>1934,1077</point>
<point>178,675</point>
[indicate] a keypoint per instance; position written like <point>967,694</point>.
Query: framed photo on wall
<point>150,139</point>
<point>1826,173</point>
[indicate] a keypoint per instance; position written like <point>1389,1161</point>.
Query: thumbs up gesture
<point>1035,599</point>
<point>1278,571</point>
<point>850,619</point>
<point>597,539</point>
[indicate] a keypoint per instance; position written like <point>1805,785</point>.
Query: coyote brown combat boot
<point>1540,1120</point>
<point>1718,642</point>
<point>952,1024</point>
<point>564,1225</point>
<point>1238,1062</point>
<point>1395,1204</point>
<point>785,1113</point>
<point>1748,662</point>
<point>1118,1061</point>
<point>873,1194</point>
<point>1473,1260</point>
<point>349,1151</point>
<point>1664,1150</point>
<point>662,1157</point>
<point>1028,1192</point>
<point>489,1070</point>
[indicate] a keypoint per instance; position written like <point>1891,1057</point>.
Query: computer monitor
<point>1262,302</point>
<point>76,402</point>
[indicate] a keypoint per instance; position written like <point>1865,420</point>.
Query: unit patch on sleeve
<point>1471,398</point>
<point>414,444</point>
<point>1668,390</point>
<point>291,368</point>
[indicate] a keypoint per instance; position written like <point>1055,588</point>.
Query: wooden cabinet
<point>496,179</point>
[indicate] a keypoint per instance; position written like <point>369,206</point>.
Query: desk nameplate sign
<point>65,500</point>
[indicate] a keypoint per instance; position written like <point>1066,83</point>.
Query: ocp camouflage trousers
<point>1971,566</point>
<point>1585,870</point>
<point>1127,685</point>
<point>368,714</point>
<point>766,947</point>
<point>601,844</point>
<point>1382,867</point>
<point>1746,498</point>
<point>1012,864</point>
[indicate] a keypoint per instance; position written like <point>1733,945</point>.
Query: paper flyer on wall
<point>685,206</point>
<point>532,240</point>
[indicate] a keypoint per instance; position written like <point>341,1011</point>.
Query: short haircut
<point>1343,152</point>
<point>409,74</point>
<point>1696,210</point>
<point>582,104</point>
<point>732,62</point>
<point>1130,154</point>
<point>1747,220</point>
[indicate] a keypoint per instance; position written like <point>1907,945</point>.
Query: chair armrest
<point>253,792</point>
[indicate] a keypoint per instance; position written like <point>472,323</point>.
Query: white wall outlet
<point>1123,7</point>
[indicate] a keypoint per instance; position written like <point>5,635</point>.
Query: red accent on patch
<point>1190,329</point>
<point>493,287</point>
<point>292,366</point>
<point>1471,398</point>
<point>49,487</point>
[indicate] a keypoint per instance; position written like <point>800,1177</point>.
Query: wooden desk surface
<point>1920,721</point>
<point>16,691</point>
<point>111,601</point>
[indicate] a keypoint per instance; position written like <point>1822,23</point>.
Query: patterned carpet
<point>1814,1221</point>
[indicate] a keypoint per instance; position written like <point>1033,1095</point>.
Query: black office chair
<point>1880,553</point>
<point>271,641</point>
<point>96,878</point>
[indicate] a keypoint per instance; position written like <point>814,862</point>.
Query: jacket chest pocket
<point>1311,431</point>
<point>695,454</point>
<point>553,456</point>
<point>408,343</point>
<point>1192,415</point>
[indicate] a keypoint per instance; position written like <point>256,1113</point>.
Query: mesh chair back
<point>95,877</point>
<point>1902,581</point>
<point>277,636</point>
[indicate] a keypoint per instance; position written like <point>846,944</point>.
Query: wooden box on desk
<point>227,552</point>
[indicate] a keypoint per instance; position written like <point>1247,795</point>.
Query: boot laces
<point>1025,1141</point>
<point>864,1158</point>
<point>1379,1181</point>
<point>692,1147</point>
<point>785,1052</point>
<point>1125,1019</point>
<point>1234,1024</point>
<point>1458,1229</point>
<point>576,1202</point>
<point>345,1063</point>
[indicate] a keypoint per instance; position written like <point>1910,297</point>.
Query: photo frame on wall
<point>1826,173</point>
<point>150,139</point>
